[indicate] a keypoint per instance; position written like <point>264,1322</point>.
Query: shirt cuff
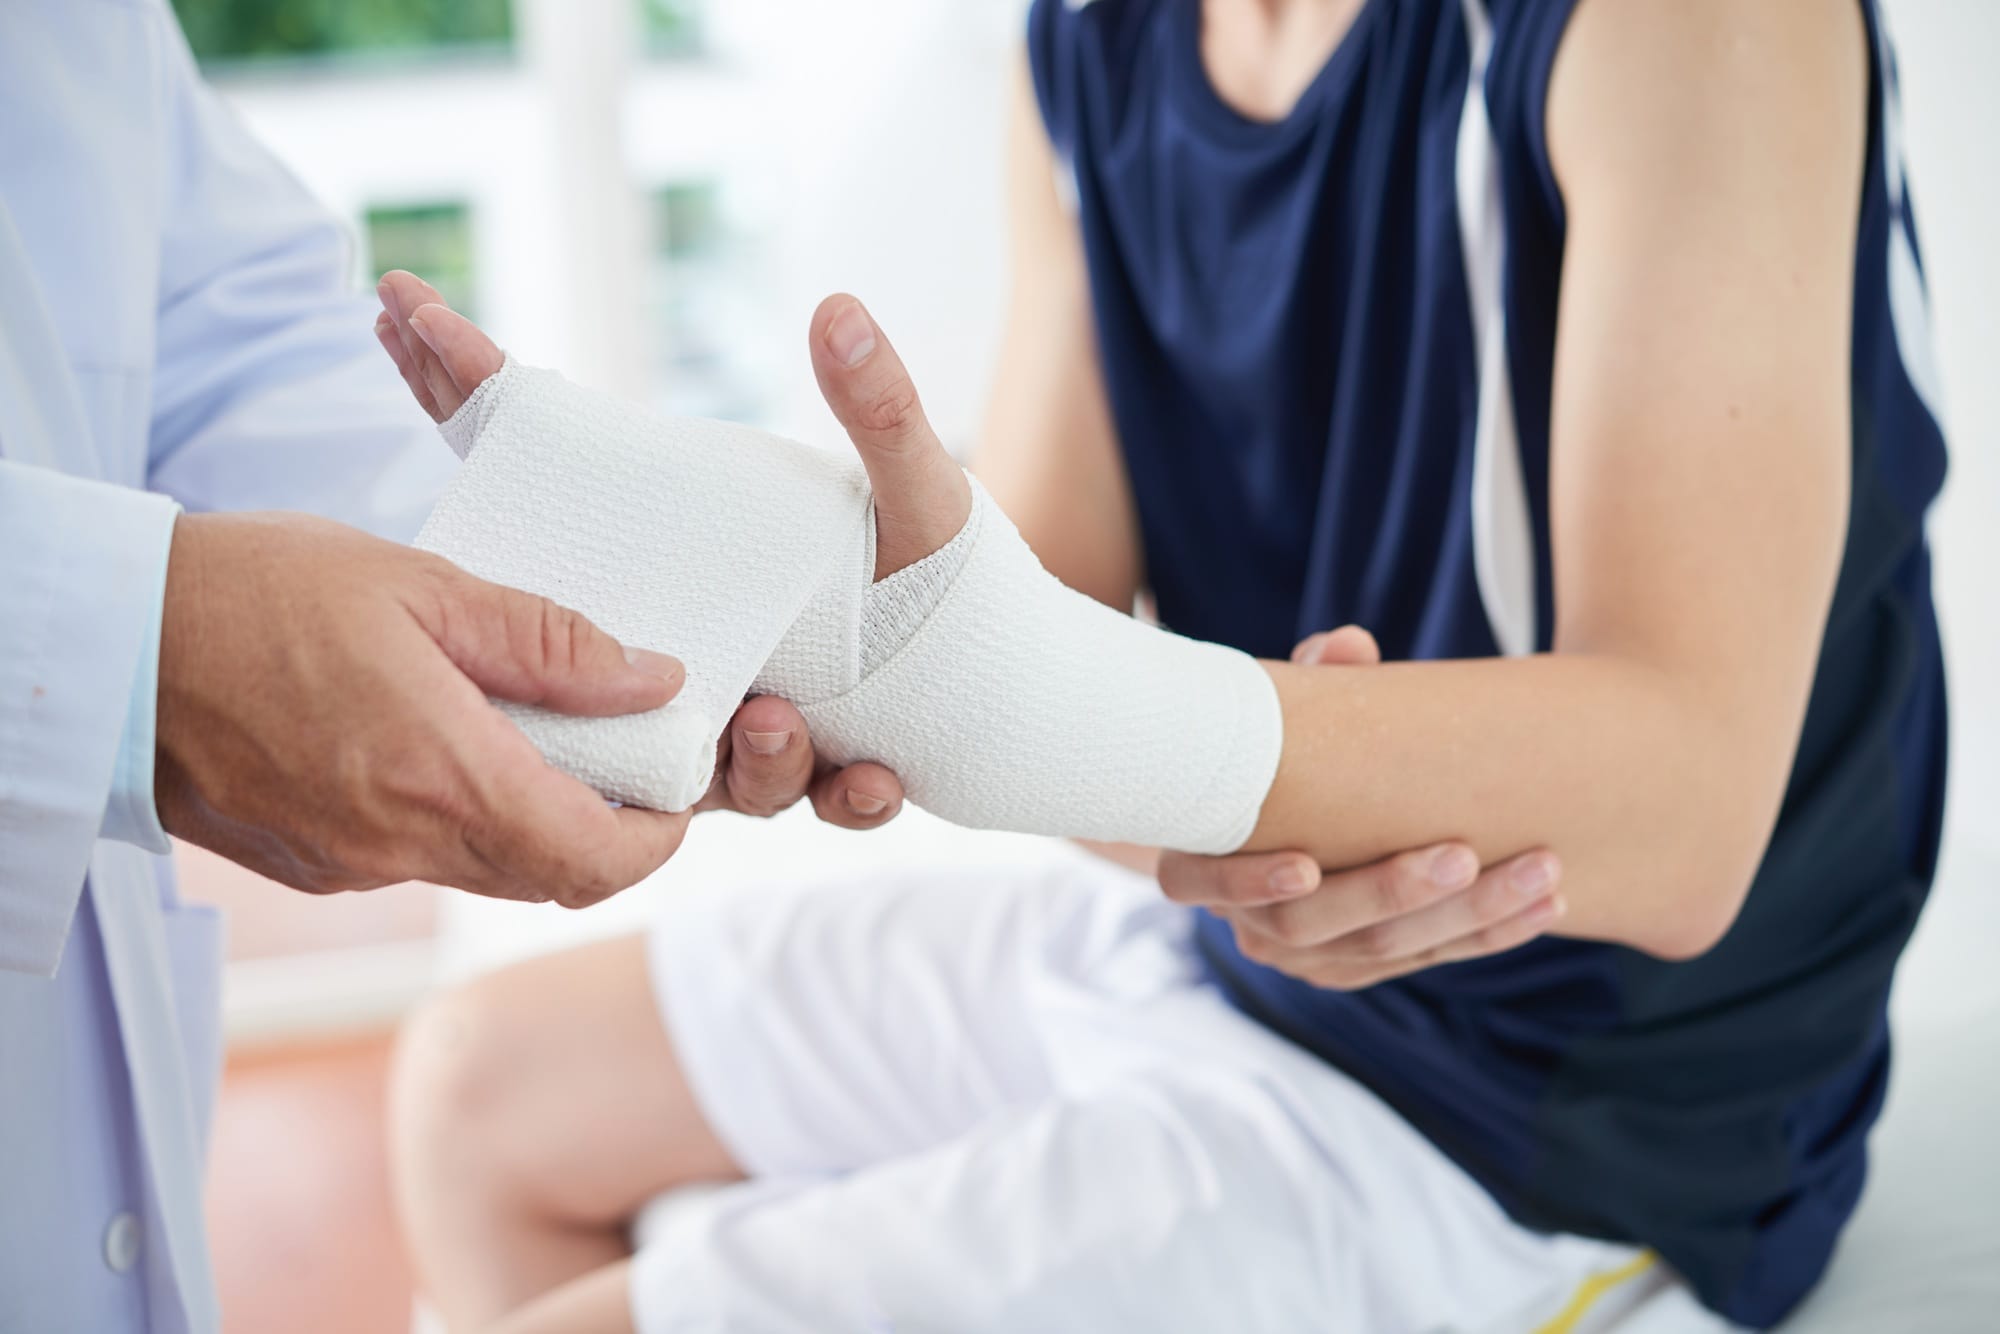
<point>130,815</point>
<point>85,562</point>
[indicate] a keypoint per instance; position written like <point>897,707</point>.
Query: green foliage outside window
<point>433,241</point>
<point>704,308</point>
<point>687,220</point>
<point>230,30</point>
<point>671,27</point>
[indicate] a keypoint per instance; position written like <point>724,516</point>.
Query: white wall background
<point>1949,52</point>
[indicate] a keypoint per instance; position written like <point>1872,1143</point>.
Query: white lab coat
<point>176,315</point>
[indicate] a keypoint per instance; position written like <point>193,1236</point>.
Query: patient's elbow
<point>1709,852</point>
<point>1694,921</point>
<point>1690,938</point>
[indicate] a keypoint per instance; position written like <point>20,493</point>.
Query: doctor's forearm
<point>1658,801</point>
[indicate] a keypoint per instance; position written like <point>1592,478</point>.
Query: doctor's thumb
<point>922,497</point>
<point>527,649</point>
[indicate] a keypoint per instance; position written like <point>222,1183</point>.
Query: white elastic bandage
<point>685,537</point>
<point>999,697</point>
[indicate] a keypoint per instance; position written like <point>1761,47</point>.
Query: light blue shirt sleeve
<point>130,813</point>
<point>83,564</point>
<point>269,389</point>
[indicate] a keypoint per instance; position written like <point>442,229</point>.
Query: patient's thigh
<point>560,1077</point>
<point>827,1027</point>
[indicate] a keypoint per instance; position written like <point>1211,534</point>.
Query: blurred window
<point>671,27</point>
<point>432,240</point>
<point>238,31</point>
<point>687,221</point>
<point>705,304</point>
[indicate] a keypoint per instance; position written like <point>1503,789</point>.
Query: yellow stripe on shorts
<point>1589,1292</point>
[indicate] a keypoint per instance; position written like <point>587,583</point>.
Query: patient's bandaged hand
<point>1001,698</point>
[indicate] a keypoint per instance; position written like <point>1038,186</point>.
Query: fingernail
<point>423,332</point>
<point>851,336</point>
<point>864,805</point>
<point>388,295</point>
<point>1290,879</point>
<point>654,664</point>
<point>1548,910</point>
<point>1307,647</point>
<point>766,743</point>
<point>1454,868</point>
<point>1532,876</point>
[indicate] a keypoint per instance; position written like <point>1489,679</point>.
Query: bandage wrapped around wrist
<point>1001,698</point>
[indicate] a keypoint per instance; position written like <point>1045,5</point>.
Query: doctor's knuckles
<point>324,718</point>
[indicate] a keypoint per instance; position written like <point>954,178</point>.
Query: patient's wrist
<point>1019,703</point>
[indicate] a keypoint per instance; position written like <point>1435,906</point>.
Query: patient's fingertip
<point>850,335</point>
<point>1293,877</point>
<point>393,291</point>
<point>424,329</point>
<point>1348,646</point>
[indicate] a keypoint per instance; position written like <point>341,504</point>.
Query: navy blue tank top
<point>1328,344</point>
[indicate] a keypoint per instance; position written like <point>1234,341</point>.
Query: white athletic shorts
<point>1007,1101</point>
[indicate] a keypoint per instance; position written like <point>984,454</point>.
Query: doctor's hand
<point>766,761</point>
<point>323,718</point>
<point>1348,929</point>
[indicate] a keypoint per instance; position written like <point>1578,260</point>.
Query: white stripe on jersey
<point>1503,541</point>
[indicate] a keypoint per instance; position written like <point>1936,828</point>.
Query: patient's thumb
<point>921,496</point>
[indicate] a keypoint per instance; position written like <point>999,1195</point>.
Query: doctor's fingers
<point>765,762</point>
<point>922,497</point>
<point>860,796</point>
<point>528,649</point>
<point>537,834</point>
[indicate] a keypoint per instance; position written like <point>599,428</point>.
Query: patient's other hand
<point>1349,929</point>
<point>766,761</point>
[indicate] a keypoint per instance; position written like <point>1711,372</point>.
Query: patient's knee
<point>456,1094</point>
